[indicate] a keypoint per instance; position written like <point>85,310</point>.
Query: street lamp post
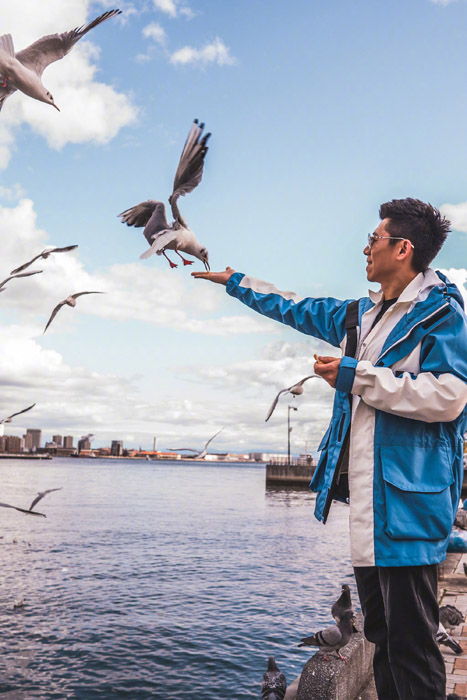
<point>289,430</point>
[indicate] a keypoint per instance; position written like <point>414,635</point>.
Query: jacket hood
<point>451,289</point>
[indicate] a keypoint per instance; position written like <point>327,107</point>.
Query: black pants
<point>401,613</point>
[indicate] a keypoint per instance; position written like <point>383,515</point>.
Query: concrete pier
<point>289,475</point>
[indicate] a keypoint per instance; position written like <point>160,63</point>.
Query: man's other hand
<point>327,368</point>
<point>218,277</point>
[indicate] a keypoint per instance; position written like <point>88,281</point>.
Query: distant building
<point>278,458</point>
<point>68,443</point>
<point>3,443</point>
<point>116,448</point>
<point>57,440</point>
<point>14,444</point>
<point>83,444</point>
<point>32,439</point>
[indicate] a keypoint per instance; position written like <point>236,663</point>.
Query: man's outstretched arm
<point>323,318</point>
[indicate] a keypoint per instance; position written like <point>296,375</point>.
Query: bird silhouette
<point>36,500</point>
<point>295,390</point>
<point>70,301</point>
<point>45,254</point>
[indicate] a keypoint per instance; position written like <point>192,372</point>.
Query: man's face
<point>381,257</point>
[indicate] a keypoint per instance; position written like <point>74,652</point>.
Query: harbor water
<point>159,579</point>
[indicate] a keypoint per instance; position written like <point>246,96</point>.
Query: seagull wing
<point>274,404</point>
<point>160,241</point>
<point>19,412</point>
<point>22,510</point>
<point>302,381</point>
<point>6,45</point>
<point>53,47</point>
<point>80,294</point>
<point>53,314</point>
<point>41,495</point>
<point>23,267</point>
<point>182,449</point>
<point>212,438</point>
<point>63,250</point>
<point>23,274</point>
<point>190,167</point>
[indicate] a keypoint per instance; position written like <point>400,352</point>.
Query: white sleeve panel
<point>428,398</point>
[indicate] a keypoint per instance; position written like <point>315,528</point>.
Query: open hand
<point>218,277</point>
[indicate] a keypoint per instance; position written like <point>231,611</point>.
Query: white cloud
<point>442,2</point>
<point>173,8</point>
<point>71,81</point>
<point>459,277</point>
<point>134,291</point>
<point>155,32</point>
<point>457,215</point>
<point>216,52</point>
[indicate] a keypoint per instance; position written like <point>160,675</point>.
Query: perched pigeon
<point>198,455</point>
<point>443,637</point>
<point>151,213</point>
<point>45,254</point>
<point>450,616</point>
<point>342,604</point>
<point>332,638</point>
<point>30,511</point>
<point>13,277</point>
<point>71,301</point>
<point>295,390</point>
<point>18,413</point>
<point>274,683</point>
<point>23,71</point>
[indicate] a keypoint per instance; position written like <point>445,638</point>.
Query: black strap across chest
<point>351,325</point>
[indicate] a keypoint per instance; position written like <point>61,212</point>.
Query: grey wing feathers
<point>18,413</point>
<point>22,510</point>
<point>211,439</point>
<point>80,294</point>
<point>190,167</point>
<point>274,404</point>
<point>330,636</point>
<point>6,44</point>
<point>53,314</point>
<point>53,47</point>
<point>23,267</point>
<point>140,214</point>
<point>41,495</point>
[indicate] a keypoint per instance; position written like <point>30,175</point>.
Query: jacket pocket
<point>417,491</point>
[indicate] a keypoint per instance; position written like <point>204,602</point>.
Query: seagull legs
<point>185,262</point>
<point>172,264</point>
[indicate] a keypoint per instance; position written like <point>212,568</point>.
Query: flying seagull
<point>30,511</point>
<point>8,419</point>
<point>295,390</point>
<point>71,301</point>
<point>23,71</point>
<point>198,455</point>
<point>151,214</point>
<point>274,683</point>
<point>13,277</point>
<point>332,638</point>
<point>45,254</point>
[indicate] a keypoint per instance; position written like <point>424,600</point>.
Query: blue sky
<point>319,111</point>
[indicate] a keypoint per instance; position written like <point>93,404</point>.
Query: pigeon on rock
<point>332,638</point>
<point>274,683</point>
<point>342,604</point>
<point>151,214</point>
<point>23,71</point>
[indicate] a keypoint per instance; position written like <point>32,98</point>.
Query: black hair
<point>422,224</point>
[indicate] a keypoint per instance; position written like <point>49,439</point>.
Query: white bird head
<point>203,255</point>
<point>46,96</point>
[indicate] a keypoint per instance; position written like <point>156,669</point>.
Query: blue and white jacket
<point>408,413</point>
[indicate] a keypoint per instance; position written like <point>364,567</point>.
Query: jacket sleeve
<point>437,394</point>
<point>323,318</point>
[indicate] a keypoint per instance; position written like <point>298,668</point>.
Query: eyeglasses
<point>372,238</point>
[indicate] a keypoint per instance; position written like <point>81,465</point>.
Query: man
<point>395,441</point>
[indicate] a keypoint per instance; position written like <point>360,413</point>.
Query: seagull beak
<point>54,105</point>
<point>206,265</point>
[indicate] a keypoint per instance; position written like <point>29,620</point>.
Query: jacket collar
<point>423,282</point>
